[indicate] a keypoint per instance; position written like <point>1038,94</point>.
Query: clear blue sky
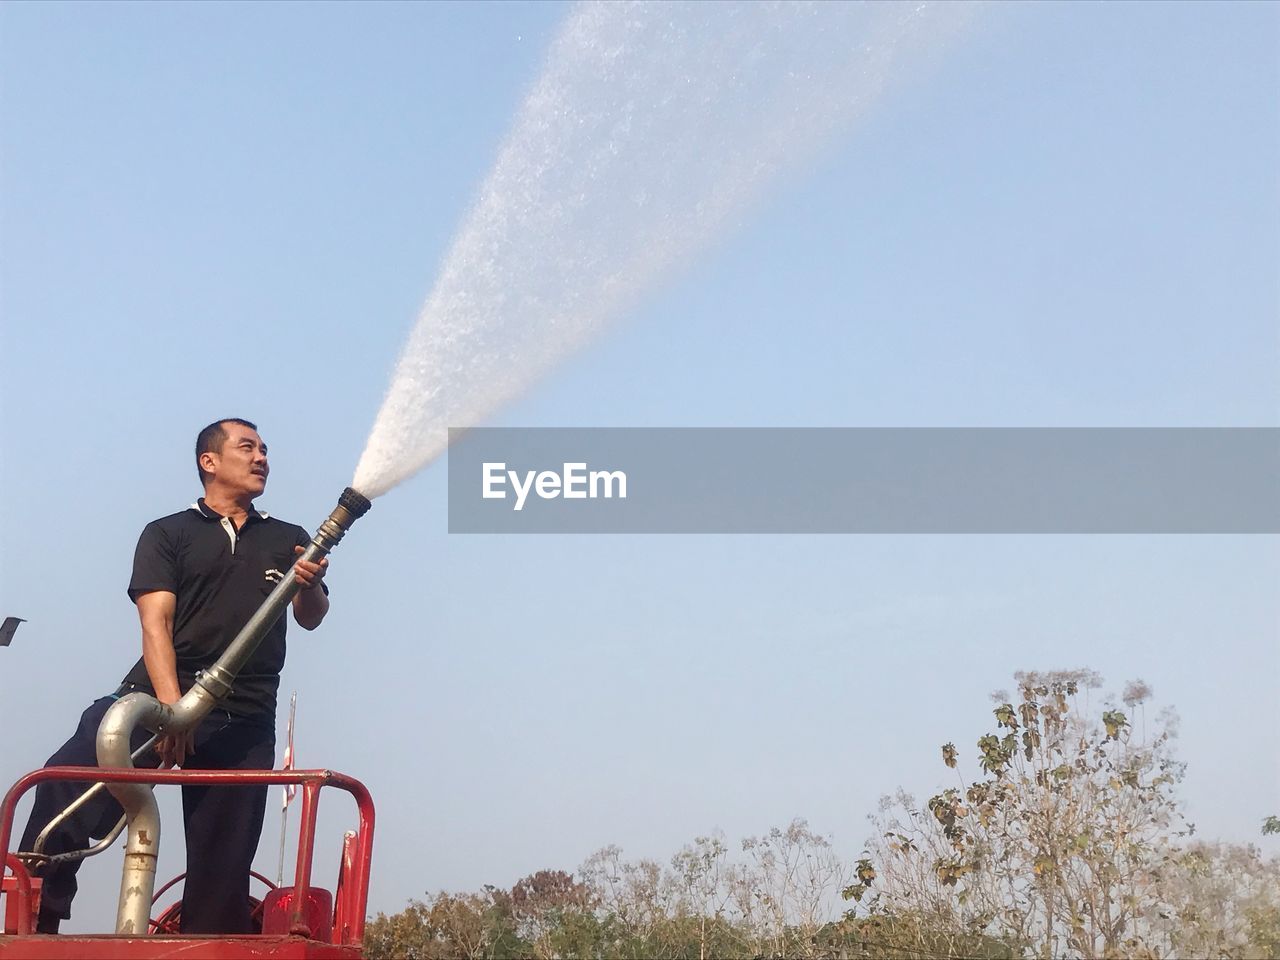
<point>1072,218</point>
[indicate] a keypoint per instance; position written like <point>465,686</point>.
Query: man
<point>197,577</point>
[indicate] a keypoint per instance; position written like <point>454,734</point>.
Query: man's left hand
<point>309,574</point>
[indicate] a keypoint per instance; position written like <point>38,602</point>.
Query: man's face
<point>241,465</point>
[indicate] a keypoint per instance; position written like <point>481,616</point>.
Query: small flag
<point>291,788</point>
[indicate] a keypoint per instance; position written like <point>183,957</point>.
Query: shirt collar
<point>209,513</point>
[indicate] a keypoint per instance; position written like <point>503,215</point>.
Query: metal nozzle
<point>355,502</point>
<point>352,505</point>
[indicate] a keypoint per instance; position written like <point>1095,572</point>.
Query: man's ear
<point>208,461</point>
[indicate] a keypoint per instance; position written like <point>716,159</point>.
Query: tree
<point>555,914</point>
<point>1069,844</point>
<point>633,899</point>
<point>446,926</point>
<point>786,891</point>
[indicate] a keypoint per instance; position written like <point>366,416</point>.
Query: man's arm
<point>155,610</point>
<point>310,604</point>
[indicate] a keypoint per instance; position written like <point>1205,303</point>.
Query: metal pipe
<point>306,851</point>
<point>210,688</point>
<point>45,860</point>
<point>37,849</point>
<point>142,846</point>
<point>22,893</point>
<point>344,898</point>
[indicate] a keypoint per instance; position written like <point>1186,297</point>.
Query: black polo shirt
<point>220,576</point>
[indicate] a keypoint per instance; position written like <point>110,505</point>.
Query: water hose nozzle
<point>354,503</point>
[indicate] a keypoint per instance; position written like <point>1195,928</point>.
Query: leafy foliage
<point>1069,843</point>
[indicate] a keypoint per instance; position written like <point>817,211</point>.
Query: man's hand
<point>309,574</point>
<point>174,749</point>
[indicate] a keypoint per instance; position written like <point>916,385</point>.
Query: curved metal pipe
<point>37,854</point>
<point>211,686</point>
<point>46,859</point>
<point>140,808</point>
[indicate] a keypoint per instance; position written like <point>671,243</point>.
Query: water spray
<point>652,127</point>
<point>142,846</point>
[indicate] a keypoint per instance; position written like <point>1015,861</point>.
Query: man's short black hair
<point>212,437</point>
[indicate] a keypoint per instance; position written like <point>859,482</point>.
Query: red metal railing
<point>345,912</point>
<point>22,893</point>
<point>356,892</point>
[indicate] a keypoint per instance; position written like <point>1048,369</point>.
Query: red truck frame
<point>296,920</point>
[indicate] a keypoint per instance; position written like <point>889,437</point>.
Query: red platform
<point>157,948</point>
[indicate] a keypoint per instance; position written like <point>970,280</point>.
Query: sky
<point>1069,217</point>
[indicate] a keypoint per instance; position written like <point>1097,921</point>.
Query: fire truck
<point>302,920</point>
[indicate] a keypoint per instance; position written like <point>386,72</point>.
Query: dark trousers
<point>222,824</point>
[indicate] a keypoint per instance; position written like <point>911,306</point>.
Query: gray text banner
<point>865,480</point>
